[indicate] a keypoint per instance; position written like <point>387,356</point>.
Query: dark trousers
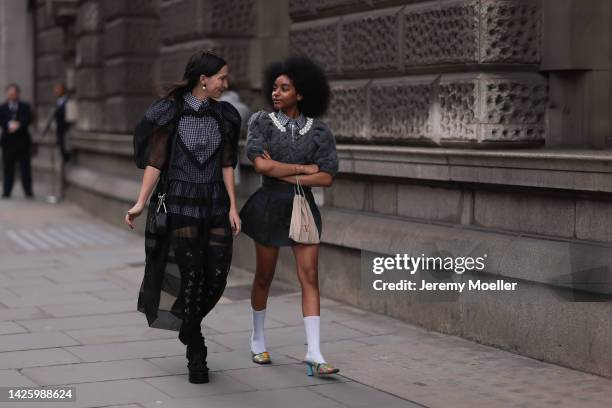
<point>10,158</point>
<point>61,142</point>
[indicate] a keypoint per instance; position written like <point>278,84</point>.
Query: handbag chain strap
<point>161,195</point>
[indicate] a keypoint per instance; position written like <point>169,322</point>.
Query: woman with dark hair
<point>188,140</point>
<point>286,145</point>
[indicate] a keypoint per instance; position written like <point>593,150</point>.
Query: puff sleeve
<point>325,155</point>
<point>152,134</point>
<point>231,116</point>
<point>256,143</point>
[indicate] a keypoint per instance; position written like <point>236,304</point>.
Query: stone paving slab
<point>218,361</point>
<point>67,316</point>
<point>36,358</point>
<point>95,307</point>
<point>11,328</point>
<point>283,376</point>
<point>92,372</point>
<point>119,334</point>
<point>82,322</point>
<point>220,383</point>
<point>20,313</point>
<point>28,341</point>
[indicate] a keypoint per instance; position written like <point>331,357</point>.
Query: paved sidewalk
<point>68,287</point>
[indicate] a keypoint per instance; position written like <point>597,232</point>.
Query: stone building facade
<point>464,127</point>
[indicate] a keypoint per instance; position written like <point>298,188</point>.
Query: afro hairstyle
<point>309,80</point>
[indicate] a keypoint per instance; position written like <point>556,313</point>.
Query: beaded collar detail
<point>279,125</point>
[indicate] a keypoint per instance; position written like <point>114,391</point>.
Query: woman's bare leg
<point>306,260</point>
<point>264,273</point>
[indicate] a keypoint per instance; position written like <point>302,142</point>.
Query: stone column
<point>16,47</point>
<point>90,66</point>
<point>577,54</point>
<point>131,44</point>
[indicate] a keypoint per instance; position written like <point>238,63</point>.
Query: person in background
<point>15,118</point>
<point>61,125</point>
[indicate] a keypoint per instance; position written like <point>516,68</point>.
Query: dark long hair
<point>201,63</point>
<point>309,80</point>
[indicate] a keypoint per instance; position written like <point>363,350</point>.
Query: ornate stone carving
<point>441,34</point>
<point>458,104</point>
<point>510,32</point>
<point>493,108</point>
<point>514,108</point>
<point>369,41</point>
<point>348,113</point>
<point>318,40</point>
<point>400,109</point>
<point>232,17</point>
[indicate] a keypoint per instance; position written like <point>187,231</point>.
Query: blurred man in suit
<point>15,118</point>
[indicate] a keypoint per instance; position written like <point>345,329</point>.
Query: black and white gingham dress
<point>195,179</point>
<point>186,268</point>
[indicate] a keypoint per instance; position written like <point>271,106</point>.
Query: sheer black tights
<point>203,253</point>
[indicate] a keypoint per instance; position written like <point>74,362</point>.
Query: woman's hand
<point>235,222</point>
<point>310,169</point>
<point>132,213</point>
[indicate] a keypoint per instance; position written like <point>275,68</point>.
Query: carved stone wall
<point>89,82</point>
<point>463,69</point>
<point>52,60</point>
<point>131,48</point>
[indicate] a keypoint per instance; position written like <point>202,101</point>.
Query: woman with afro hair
<point>286,144</point>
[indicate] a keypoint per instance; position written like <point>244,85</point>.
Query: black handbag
<point>159,221</point>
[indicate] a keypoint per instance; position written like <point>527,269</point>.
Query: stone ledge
<point>579,265</point>
<point>579,170</point>
<point>106,143</point>
<point>116,188</point>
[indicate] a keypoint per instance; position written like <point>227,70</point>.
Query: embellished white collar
<point>280,126</point>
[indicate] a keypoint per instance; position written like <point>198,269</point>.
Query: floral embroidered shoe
<point>262,358</point>
<point>320,368</point>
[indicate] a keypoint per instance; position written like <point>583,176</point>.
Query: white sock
<point>312,324</point>
<point>258,342</point>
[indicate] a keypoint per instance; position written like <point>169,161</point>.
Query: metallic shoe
<point>320,368</point>
<point>262,358</point>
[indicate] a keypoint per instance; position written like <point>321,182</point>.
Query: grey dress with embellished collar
<point>266,216</point>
